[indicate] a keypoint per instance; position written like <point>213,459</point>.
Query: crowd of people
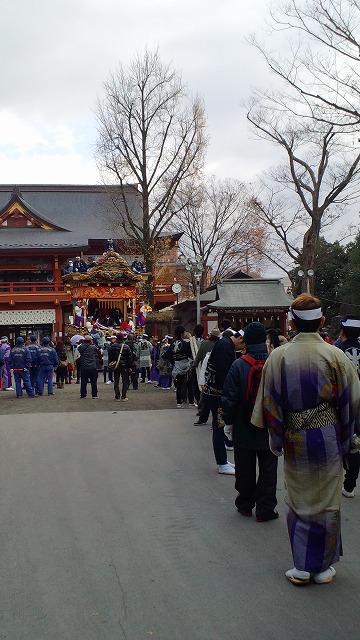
<point>268,396</point>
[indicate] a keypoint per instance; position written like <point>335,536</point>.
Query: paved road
<point>68,399</point>
<point>115,525</point>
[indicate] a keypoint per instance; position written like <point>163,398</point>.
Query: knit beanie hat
<point>255,333</point>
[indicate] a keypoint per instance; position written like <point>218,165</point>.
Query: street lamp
<point>196,268</point>
<point>309,274</point>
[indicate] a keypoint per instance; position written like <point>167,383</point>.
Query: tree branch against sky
<point>219,225</point>
<point>321,175</point>
<point>151,132</point>
<point>323,61</point>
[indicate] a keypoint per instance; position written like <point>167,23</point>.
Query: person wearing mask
<point>88,366</point>
<point>309,399</point>
<point>20,363</point>
<point>48,361</point>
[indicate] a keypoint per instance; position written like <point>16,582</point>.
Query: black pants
<point>204,408</point>
<point>352,473</point>
<point>251,491</point>
<point>181,383</point>
<point>195,385</point>
<point>88,375</point>
<point>145,371</point>
<point>125,383</point>
<point>218,436</point>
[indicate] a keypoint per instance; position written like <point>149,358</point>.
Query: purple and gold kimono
<point>309,399</point>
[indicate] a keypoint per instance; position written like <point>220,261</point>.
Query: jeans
<point>23,377</point>
<point>108,371</point>
<point>45,371</point>
<point>88,375</point>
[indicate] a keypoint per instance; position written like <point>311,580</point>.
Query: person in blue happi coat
<point>34,369</point>
<point>20,363</point>
<point>48,361</point>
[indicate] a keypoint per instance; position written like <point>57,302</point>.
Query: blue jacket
<point>20,357</point>
<point>33,348</point>
<point>47,356</point>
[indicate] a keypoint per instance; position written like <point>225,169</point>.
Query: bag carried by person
<point>115,363</point>
<point>253,383</point>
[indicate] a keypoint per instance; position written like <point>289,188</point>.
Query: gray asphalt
<point>116,525</point>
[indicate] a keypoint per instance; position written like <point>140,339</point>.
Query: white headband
<point>307,314</point>
<point>351,322</point>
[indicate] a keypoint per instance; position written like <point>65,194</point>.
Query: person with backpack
<point>251,445</point>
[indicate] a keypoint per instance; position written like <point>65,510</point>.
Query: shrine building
<point>42,228</point>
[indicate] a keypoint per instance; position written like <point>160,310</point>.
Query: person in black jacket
<point>87,351</point>
<point>221,358</point>
<point>250,444</point>
<point>123,368</point>
<point>181,359</point>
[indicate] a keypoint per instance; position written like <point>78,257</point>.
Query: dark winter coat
<point>126,359</point>
<point>88,353</point>
<point>233,400</point>
<point>222,357</point>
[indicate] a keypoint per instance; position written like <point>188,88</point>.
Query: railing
<point>31,287</point>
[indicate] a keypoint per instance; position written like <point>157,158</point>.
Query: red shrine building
<point>42,228</point>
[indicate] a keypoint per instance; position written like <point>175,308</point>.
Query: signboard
<point>27,316</point>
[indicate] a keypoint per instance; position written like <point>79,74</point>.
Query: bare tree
<point>304,118</point>
<point>219,225</point>
<point>322,65</point>
<point>151,132</point>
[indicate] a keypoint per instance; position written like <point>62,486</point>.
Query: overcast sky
<point>56,55</point>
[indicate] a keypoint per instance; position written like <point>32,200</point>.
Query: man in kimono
<point>309,399</point>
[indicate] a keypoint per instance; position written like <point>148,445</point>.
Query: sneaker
<point>198,423</point>
<point>124,399</point>
<point>179,406</point>
<point>227,469</point>
<point>245,513</point>
<point>298,577</point>
<point>9,389</point>
<point>148,381</point>
<point>108,382</point>
<point>325,577</point>
<point>117,399</point>
<point>94,398</point>
<point>348,494</point>
<point>193,405</point>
